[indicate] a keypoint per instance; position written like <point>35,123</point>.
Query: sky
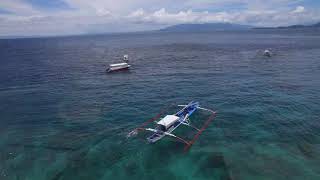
<point>66,17</point>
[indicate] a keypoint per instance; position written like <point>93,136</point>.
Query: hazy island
<point>207,27</point>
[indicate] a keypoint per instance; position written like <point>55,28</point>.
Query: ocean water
<point>63,118</point>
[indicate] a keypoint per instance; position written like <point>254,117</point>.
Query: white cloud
<point>260,18</point>
<point>299,9</point>
<point>17,7</point>
<point>137,14</point>
<point>162,16</point>
<point>131,15</point>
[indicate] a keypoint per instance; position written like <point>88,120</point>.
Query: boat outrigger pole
<point>205,126</point>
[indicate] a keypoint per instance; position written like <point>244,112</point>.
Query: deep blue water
<point>64,118</point>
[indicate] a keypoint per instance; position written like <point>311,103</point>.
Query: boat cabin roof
<point>119,64</point>
<point>168,120</point>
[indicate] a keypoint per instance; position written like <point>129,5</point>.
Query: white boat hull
<point>118,68</point>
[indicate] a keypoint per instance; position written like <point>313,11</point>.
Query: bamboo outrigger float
<point>169,123</point>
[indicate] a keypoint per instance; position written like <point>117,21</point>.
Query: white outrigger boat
<point>169,123</point>
<point>119,66</point>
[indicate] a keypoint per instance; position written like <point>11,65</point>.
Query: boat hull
<point>116,69</point>
<point>155,137</point>
<point>186,111</point>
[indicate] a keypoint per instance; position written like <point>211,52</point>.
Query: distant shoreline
<point>183,28</point>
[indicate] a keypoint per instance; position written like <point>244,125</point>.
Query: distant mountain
<point>317,25</point>
<point>206,27</point>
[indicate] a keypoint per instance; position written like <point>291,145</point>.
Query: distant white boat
<point>267,53</point>
<point>120,66</point>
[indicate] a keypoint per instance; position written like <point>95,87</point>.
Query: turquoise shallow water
<point>64,118</point>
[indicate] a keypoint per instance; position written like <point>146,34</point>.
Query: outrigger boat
<point>119,66</point>
<point>169,123</point>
